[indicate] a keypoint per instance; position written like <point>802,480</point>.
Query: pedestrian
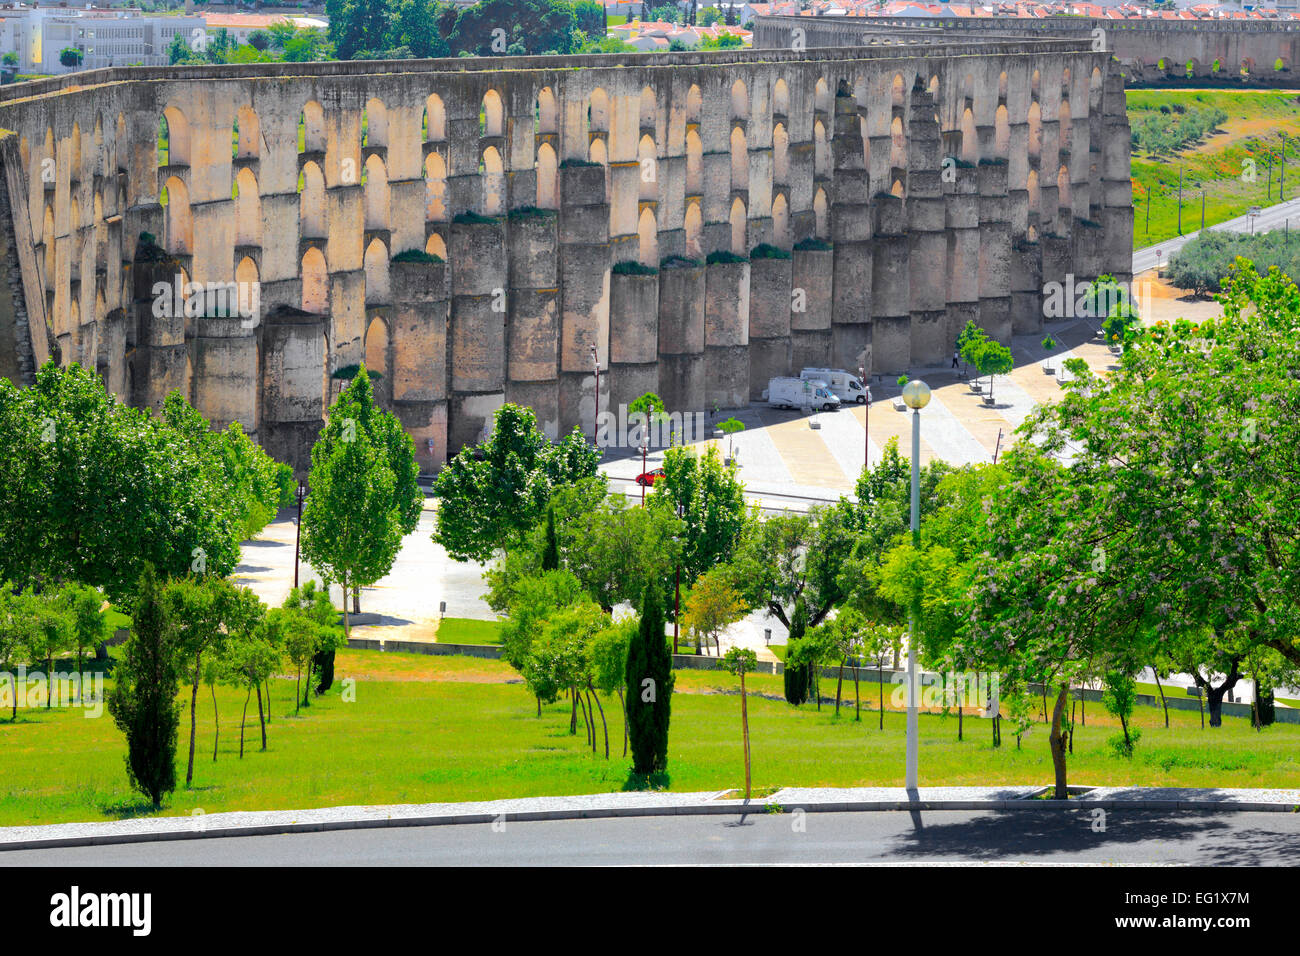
<point>955,353</point>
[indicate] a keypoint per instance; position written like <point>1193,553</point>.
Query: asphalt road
<point>1270,217</point>
<point>1141,837</point>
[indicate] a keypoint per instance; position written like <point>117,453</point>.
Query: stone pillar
<point>633,337</point>
<point>891,294</point>
<point>726,334</point>
<point>295,382</point>
<point>994,252</point>
<point>419,368</point>
<point>811,278</point>
<point>533,328</point>
<point>927,243</point>
<point>478,322</point>
<point>1026,287</point>
<point>1116,186</point>
<point>851,292</point>
<point>681,335</point>
<point>769,321</point>
<point>159,361</point>
<point>584,290</point>
<point>225,374</point>
<point>962,217</point>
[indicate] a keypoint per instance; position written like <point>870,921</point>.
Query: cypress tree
<point>796,678</point>
<point>143,703</point>
<point>649,688</point>
<point>551,555</point>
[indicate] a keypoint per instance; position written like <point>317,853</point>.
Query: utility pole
<point>1180,200</point>
<point>595,424</point>
<point>866,419</point>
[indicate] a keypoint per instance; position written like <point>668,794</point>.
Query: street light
<point>297,535</point>
<point>866,418</point>
<point>916,394</point>
<point>595,423</point>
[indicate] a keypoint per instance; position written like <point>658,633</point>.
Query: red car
<point>648,478</point>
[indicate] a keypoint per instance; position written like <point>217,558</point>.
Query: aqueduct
<point>565,204</point>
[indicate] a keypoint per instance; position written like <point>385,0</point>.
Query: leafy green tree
<point>88,626</point>
<point>741,661</point>
<point>91,490</point>
<point>709,498</point>
<point>314,604</point>
<point>49,634</point>
<point>14,625</point>
<point>259,40</point>
<point>196,606</point>
<point>796,676</point>
<point>539,25</point>
<point>609,650</point>
<point>617,548</point>
<point>143,701</point>
<point>993,358</point>
<point>551,553</point>
<point>1119,698</point>
<point>649,680</point>
<point>70,56</point>
<point>564,651</point>
<point>493,496</point>
<point>356,25</point>
<point>252,659</point>
<point>723,41</point>
<point>711,607</point>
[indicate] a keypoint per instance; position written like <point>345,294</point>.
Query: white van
<point>842,383</point>
<point>800,393</point>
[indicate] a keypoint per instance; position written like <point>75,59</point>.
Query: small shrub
<point>812,244</point>
<point>723,257</point>
<point>678,262</point>
<point>630,268</point>
<point>474,219</point>
<point>416,255</point>
<point>766,250</point>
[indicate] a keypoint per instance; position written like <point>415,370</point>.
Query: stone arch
<point>492,172</point>
<point>546,114</point>
<point>435,119</point>
<point>647,169</point>
<point>311,128</point>
<point>435,246</point>
<point>1064,196</point>
<point>492,115</point>
<point>694,164</point>
<point>315,282</point>
<point>598,111</point>
<point>1002,86</point>
<point>780,155</point>
<point>374,123</point>
<point>248,209</point>
<point>780,98</point>
<point>821,151</point>
<point>648,238</point>
<point>1247,67</point>
<point>247,280</point>
<point>598,153</point>
<point>738,227</point>
<point>1192,68</point>
<point>376,194</point>
<point>897,145</point>
<point>311,202</point>
<point>694,226</point>
<point>739,100</point>
<point>1035,122</point>
<point>1066,126</point>
<point>1031,186</point>
<point>1035,82</point>
<point>1002,132</point>
<point>649,111</point>
<point>179,221</point>
<point>177,130</point>
<point>970,143</point>
<point>247,134</point>
<point>377,346</point>
<point>781,222</point>
<point>547,178</point>
<point>694,104</point>
<point>820,213</point>
<point>435,188</point>
<point>898,92</point>
<point>47,241</point>
<point>739,160</point>
<point>822,99</point>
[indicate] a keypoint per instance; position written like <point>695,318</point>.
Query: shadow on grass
<point>646,781</point>
<point>130,809</point>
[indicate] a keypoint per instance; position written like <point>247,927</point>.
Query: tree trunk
<point>880,680</point>
<point>347,630</point>
<point>959,728</point>
<point>297,689</point>
<point>267,682</point>
<point>242,720</point>
<point>744,729</point>
<point>194,703</point>
<point>604,726</point>
<point>857,698</point>
<point>1163,702</point>
<point>622,705</point>
<point>1058,744</point>
<point>539,706</point>
<point>261,715</point>
<point>573,713</point>
<point>356,600</point>
<point>216,724</point>
<point>839,684</point>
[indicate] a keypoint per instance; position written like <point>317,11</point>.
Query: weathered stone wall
<point>907,187</point>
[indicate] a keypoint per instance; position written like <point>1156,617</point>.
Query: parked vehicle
<point>843,384</point>
<point>648,478</point>
<point>786,392</point>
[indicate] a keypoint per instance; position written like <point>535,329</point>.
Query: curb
<point>713,808</point>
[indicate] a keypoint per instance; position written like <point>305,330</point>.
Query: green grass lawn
<point>1257,119</point>
<point>425,728</point>
<point>464,630</point>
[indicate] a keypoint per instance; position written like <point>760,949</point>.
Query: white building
<point>104,37</point>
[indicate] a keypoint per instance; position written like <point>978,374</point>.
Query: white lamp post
<point>917,395</point>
